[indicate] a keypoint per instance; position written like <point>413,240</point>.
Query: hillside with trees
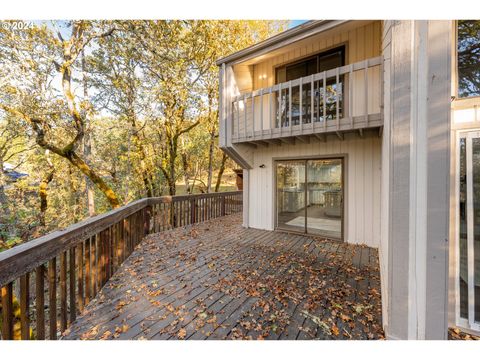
<point>96,114</point>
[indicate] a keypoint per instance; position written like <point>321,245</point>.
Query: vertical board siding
<point>361,178</point>
<point>361,43</point>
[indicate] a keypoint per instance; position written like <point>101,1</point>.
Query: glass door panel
<point>310,196</point>
<point>325,197</point>
<point>476,227</point>
<point>291,195</point>
<point>462,243</point>
<point>468,261</point>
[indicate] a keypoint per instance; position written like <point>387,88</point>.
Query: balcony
<point>346,98</point>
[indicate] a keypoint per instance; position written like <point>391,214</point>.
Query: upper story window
<point>321,62</point>
<point>468,58</point>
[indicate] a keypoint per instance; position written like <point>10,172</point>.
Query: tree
<point>38,58</point>
<point>469,58</point>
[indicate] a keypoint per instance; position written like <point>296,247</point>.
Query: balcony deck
<point>308,106</point>
<point>218,280</point>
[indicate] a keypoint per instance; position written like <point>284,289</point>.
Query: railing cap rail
<point>345,69</point>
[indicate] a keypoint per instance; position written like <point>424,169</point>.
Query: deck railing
<point>64,270</point>
<point>339,99</point>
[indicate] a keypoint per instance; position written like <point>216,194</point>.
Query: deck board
<point>218,280</point>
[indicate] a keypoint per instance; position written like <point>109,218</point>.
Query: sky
<point>294,23</point>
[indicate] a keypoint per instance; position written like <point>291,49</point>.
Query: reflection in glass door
<point>468,261</point>
<point>324,197</point>
<point>310,196</point>
<point>291,195</point>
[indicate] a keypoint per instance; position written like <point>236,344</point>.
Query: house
<point>368,132</point>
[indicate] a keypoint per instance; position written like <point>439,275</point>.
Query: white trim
<point>470,231</point>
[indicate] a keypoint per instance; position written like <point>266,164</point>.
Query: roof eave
<point>289,36</point>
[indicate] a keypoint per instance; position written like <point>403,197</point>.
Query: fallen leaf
<point>182,333</point>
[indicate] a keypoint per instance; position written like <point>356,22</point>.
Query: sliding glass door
<point>309,196</point>
<point>468,236</point>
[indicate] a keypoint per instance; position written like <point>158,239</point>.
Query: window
<point>468,58</point>
<point>318,63</point>
<point>321,62</point>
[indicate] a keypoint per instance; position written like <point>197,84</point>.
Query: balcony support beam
<point>288,140</point>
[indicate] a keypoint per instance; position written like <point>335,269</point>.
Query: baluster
<point>270,117</point>
<point>253,116</point>
<point>337,98</point>
<point>350,94</point>
<point>312,102</point>
<point>290,105</point>
<point>261,112</point>
<point>238,119</point>
<point>245,117</point>
<point>108,239</point>
<point>52,292</point>
<point>93,249</point>
<point>324,101</point>
<point>73,308</point>
<point>7,311</point>
<point>365,71</point>
<point>63,291</point>
<point>40,301</point>
<point>88,279</point>
<point>80,277</point>
<point>25,306</point>
<point>300,115</point>
<point>280,107</point>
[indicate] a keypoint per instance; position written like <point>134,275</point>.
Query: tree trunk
<point>5,214</point>
<point>81,165</point>
<point>210,161</point>
<point>220,172</point>
<point>87,146</point>
<point>43,193</point>
<point>171,166</point>
<point>186,175</point>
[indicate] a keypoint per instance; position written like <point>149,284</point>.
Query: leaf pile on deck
<point>457,334</point>
<point>217,280</point>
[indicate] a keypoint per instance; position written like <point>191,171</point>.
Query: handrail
<point>89,253</point>
<point>35,252</point>
<point>360,65</point>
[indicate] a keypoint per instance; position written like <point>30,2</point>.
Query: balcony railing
<point>56,275</point>
<point>340,99</point>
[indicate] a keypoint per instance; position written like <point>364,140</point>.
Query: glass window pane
<point>291,195</point>
<point>463,250</point>
<point>331,61</point>
<point>476,223</point>
<point>468,57</point>
<point>325,198</point>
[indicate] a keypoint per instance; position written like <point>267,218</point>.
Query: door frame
<point>343,159</point>
<point>469,323</point>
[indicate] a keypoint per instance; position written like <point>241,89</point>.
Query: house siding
<point>361,42</point>
<point>362,183</point>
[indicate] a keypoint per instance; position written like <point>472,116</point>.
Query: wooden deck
<point>217,280</point>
